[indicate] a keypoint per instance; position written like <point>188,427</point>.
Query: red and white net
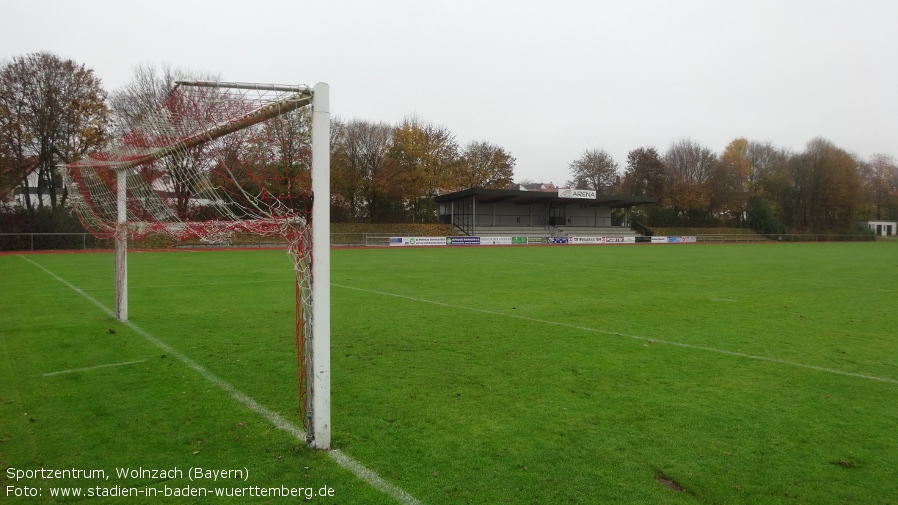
<point>215,161</point>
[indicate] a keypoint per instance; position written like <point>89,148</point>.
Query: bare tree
<point>146,94</point>
<point>880,177</point>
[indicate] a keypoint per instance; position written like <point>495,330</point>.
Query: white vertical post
<point>121,247</point>
<point>320,370</point>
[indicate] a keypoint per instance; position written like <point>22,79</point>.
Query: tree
<point>147,93</point>
<point>880,179</point>
<point>484,165</point>
<point>363,175</point>
<point>826,187</point>
<point>644,174</point>
<point>760,216</point>
<point>596,170</point>
<point>768,173</point>
<point>49,107</point>
<point>281,158</point>
<point>425,155</point>
<point>689,167</point>
<point>729,181</point>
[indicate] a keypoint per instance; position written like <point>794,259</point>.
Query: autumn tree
<point>484,165</point>
<point>688,170</point>
<point>49,108</point>
<point>729,181</point>
<point>595,169</point>
<point>825,188</point>
<point>425,155</point>
<point>644,173</point>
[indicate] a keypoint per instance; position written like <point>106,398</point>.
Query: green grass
<point>761,373</point>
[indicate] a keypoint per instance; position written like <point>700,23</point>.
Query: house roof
<point>517,197</point>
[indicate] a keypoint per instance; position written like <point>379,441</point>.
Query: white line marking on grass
<point>89,368</point>
<point>152,286</point>
<point>635,337</point>
<point>276,419</point>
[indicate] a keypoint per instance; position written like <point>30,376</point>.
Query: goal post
<point>319,423</point>
<point>121,246</point>
<point>220,159</point>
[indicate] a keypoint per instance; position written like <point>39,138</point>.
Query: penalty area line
<point>89,368</point>
<point>347,462</point>
<point>634,337</point>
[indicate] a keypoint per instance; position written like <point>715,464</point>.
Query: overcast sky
<point>546,80</point>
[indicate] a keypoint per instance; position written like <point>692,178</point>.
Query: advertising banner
<point>681,240</point>
<point>587,240</point>
<point>495,240</point>
<point>417,241</point>
<point>435,241</point>
<point>462,240</point>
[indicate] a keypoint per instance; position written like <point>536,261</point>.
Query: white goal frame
<point>318,373</point>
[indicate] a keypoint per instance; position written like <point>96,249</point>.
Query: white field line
<point>89,368</point>
<point>634,337</point>
<point>274,418</point>
<point>153,286</point>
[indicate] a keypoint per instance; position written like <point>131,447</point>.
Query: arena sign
<point>577,193</point>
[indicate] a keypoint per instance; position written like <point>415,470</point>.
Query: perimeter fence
<point>86,241</point>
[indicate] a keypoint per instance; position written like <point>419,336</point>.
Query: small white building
<point>882,228</point>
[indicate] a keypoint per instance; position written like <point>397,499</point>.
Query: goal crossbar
<point>268,111</point>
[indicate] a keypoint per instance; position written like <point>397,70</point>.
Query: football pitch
<point>754,373</point>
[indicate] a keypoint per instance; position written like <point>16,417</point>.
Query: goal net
<point>220,160</point>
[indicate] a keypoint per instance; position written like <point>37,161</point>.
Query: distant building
<point>544,210</point>
<point>882,228</point>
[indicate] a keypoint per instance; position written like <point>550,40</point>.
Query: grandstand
<point>541,213</point>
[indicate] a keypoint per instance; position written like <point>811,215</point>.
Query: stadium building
<point>544,210</point>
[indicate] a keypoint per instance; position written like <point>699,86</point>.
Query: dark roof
<point>483,195</point>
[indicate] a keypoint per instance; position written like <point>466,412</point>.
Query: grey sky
<point>545,80</point>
